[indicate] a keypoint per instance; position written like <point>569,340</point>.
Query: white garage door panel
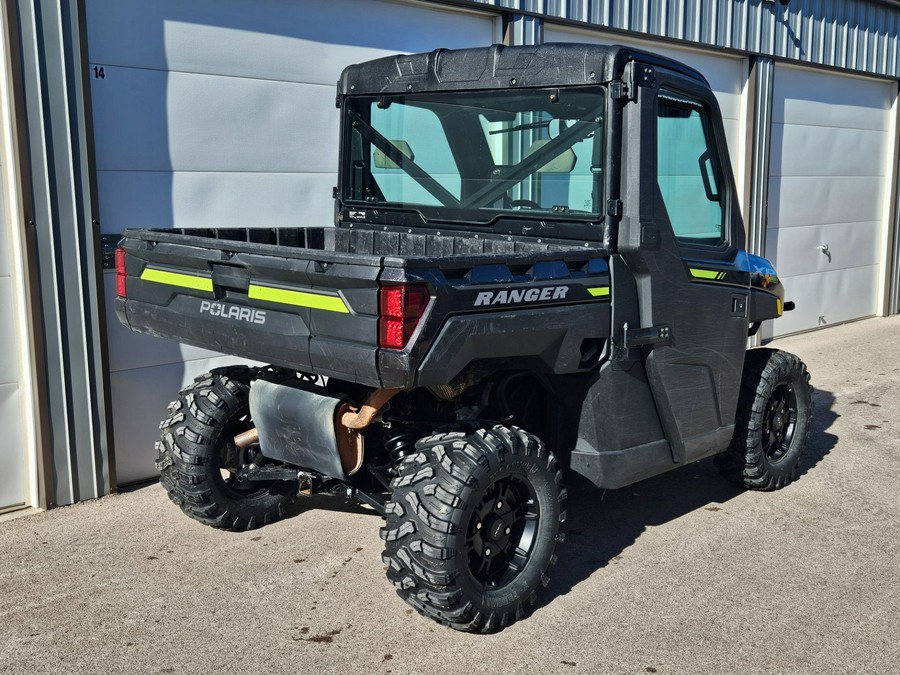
<point>12,477</point>
<point>5,261</point>
<point>732,132</point>
<point>827,187</point>
<point>134,199</point>
<point>798,247</point>
<point>272,39</point>
<point>155,121</point>
<point>843,199</point>
<point>201,199</point>
<point>836,296</point>
<point>9,365</point>
<point>129,350</point>
<point>808,97</point>
<point>238,198</point>
<point>799,150</point>
<point>141,396</point>
<point>12,449</point>
<point>724,74</point>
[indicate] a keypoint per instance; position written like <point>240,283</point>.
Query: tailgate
<point>311,310</point>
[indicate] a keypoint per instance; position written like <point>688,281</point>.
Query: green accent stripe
<point>599,291</point>
<point>191,281</point>
<point>282,296</point>
<point>706,274</point>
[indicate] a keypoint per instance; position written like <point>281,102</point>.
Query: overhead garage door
<point>221,113</point>
<point>726,76</point>
<point>827,189</point>
<point>12,449</point>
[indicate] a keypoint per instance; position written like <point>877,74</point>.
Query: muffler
<point>302,424</point>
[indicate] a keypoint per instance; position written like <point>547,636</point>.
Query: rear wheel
<point>772,424</point>
<point>472,526</point>
<point>198,460</point>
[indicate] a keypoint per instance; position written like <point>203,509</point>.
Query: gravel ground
<point>682,573</point>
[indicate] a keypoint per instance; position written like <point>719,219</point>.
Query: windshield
<point>475,156</point>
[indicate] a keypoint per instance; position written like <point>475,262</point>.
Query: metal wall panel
<point>58,215</point>
<point>755,212</point>
<point>860,35</point>
<point>221,113</point>
<point>827,186</point>
<point>524,30</point>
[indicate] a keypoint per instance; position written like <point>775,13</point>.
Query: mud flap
<point>296,425</point>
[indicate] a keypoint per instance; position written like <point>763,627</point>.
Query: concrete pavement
<point>682,573</point>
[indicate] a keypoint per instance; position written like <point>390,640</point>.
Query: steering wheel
<point>524,203</point>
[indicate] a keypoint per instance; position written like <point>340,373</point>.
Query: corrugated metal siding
<point>861,36</point>
<point>756,212</point>
<point>60,210</point>
<point>525,30</point>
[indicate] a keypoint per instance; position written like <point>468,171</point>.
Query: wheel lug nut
<point>499,505</point>
<point>506,531</point>
<point>487,551</point>
<point>477,526</point>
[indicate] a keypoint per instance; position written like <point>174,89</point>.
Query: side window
<point>688,171</point>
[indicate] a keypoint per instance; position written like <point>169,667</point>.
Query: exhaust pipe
<point>244,440</point>
<point>349,423</point>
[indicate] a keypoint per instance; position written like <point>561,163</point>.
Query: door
<point>688,262</point>
<point>12,450</point>
<point>829,179</point>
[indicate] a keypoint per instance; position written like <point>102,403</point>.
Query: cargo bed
<point>308,298</point>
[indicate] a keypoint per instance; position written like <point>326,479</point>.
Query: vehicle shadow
<point>328,502</point>
<point>602,524</point>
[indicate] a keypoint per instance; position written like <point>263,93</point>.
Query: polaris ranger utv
<point>537,276</point>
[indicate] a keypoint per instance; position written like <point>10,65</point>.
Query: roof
<point>499,67</point>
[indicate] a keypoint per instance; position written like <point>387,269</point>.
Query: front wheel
<point>472,526</point>
<point>772,424</point>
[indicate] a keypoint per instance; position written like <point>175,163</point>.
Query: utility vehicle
<point>537,276</point>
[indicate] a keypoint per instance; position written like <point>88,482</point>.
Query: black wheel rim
<point>779,422</point>
<point>231,459</point>
<point>502,532</point>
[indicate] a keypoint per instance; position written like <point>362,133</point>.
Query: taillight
<point>400,308</point>
<point>120,273</point>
